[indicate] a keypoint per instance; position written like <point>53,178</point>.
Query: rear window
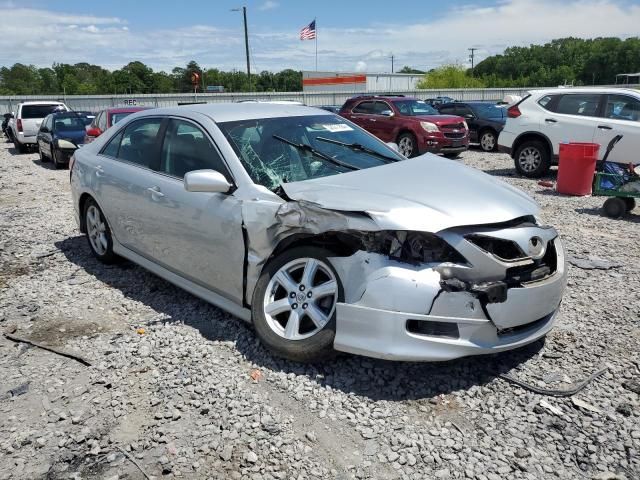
<point>116,117</point>
<point>39,111</point>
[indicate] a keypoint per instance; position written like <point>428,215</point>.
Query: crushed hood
<point>426,193</point>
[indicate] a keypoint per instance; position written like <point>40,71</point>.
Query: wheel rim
<point>300,298</point>
<point>97,230</point>
<point>530,159</point>
<point>488,141</point>
<point>405,145</point>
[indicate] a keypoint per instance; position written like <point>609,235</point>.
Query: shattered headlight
<point>415,247</point>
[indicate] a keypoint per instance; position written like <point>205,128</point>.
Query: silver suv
<point>23,128</point>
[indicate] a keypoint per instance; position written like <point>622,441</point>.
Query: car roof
<point>595,90</point>
<point>229,112</point>
<point>389,97</point>
<point>125,109</point>
<point>44,102</point>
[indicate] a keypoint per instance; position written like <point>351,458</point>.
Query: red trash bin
<point>576,167</point>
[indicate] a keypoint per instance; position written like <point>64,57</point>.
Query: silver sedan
<point>322,236</point>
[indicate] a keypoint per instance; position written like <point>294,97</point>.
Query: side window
<point>47,122</point>
<point>380,107</point>
<point>102,123</point>
<point>585,105</point>
<point>111,150</point>
<point>187,148</point>
<point>139,143</point>
<point>448,110</point>
<point>622,107</point>
<point>463,110</point>
<point>545,101</point>
<point>364,107</point>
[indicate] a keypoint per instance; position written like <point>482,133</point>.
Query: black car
<point>5,122</point>
<point>59,136</point>
<point>485,119</point>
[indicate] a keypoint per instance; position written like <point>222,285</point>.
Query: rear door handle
<point>155,192</point>
<point>550,120</point>
<point>99,171</point>
<point>604,127</point>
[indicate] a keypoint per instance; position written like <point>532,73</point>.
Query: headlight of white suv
<point>429,127</point>
<point>66,144</point>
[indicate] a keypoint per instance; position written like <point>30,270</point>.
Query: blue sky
<point>353,36</point>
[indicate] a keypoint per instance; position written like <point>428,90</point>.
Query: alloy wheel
<point>96,230</point>
<point>405,145</point>
<point>300,298</point>
<point>530,159</point>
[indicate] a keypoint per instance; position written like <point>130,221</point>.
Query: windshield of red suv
<point>413,108</point>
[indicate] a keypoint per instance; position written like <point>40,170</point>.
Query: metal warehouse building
<point>358,82</point>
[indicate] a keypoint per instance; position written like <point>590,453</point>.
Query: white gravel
<point>181,401</point>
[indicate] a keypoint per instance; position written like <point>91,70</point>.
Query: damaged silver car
<point>322,236</point>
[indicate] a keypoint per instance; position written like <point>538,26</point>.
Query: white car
<point>26,124</point>
<point>541,121</point>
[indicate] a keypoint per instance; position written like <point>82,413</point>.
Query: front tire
<point>532,159</point>
<point>407,144</point>
<point>54,158</point>
<point>43,157</point>
<point>294,304</point>
<point>98,233</point>
<point>488,141</point>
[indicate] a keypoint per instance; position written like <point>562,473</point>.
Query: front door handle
<point>604,127</point>
<point>155,192</point>
<point>550,120</point>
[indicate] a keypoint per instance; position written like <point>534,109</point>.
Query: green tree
<point>449,76</point>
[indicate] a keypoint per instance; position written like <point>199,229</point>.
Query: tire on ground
<point>317,347</point>
<point>534,147</point>
<point>108,257</point>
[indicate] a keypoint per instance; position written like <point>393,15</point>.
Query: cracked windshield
<point>283,150</point>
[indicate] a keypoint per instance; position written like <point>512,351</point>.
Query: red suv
<point>106,119</point>
<point>414,125</point>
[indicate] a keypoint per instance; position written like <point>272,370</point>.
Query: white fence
<point>96,103</point>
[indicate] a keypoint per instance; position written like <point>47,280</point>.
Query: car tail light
<point>19,124</point>
<point>513,112</point>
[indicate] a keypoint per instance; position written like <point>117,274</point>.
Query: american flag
<point>308,32</point>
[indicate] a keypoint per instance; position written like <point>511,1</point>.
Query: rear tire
<point>98,233</point>
<point>407,144</point>
<point>532,159</point>
<point>19,147</point>
<point>488,141</point>
<point>294,304</point>
<point>614,207</point>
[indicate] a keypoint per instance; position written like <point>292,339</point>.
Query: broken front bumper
<point>402,312</point>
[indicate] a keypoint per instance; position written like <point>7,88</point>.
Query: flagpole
<point>316,23</point>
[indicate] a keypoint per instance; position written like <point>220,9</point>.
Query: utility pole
<point>392,63</point>
<point>246,41</point>
<point>472,57</point>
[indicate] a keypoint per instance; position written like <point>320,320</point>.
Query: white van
<point>26,122</point>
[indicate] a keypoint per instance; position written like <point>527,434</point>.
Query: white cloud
<point>111,42</point>
<point>269,5</point>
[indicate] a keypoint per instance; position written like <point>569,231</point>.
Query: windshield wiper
<point>359,148</point>
<point>316,153</point>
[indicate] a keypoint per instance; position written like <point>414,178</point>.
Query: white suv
<point>541,121</point>
<point>24,127</point>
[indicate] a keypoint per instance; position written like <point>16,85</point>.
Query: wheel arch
<point>531,136</point>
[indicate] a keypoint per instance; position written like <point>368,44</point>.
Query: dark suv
<point>414,125</point>
<point>485,119</point>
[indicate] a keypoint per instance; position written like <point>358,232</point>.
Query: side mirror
<point>387,113</point>
<point>206,181</point>
<point>393,146</point>
<point>469,116</point>
<point>93,132</point>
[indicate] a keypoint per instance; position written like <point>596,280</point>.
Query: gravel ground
<point>194,395</point>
